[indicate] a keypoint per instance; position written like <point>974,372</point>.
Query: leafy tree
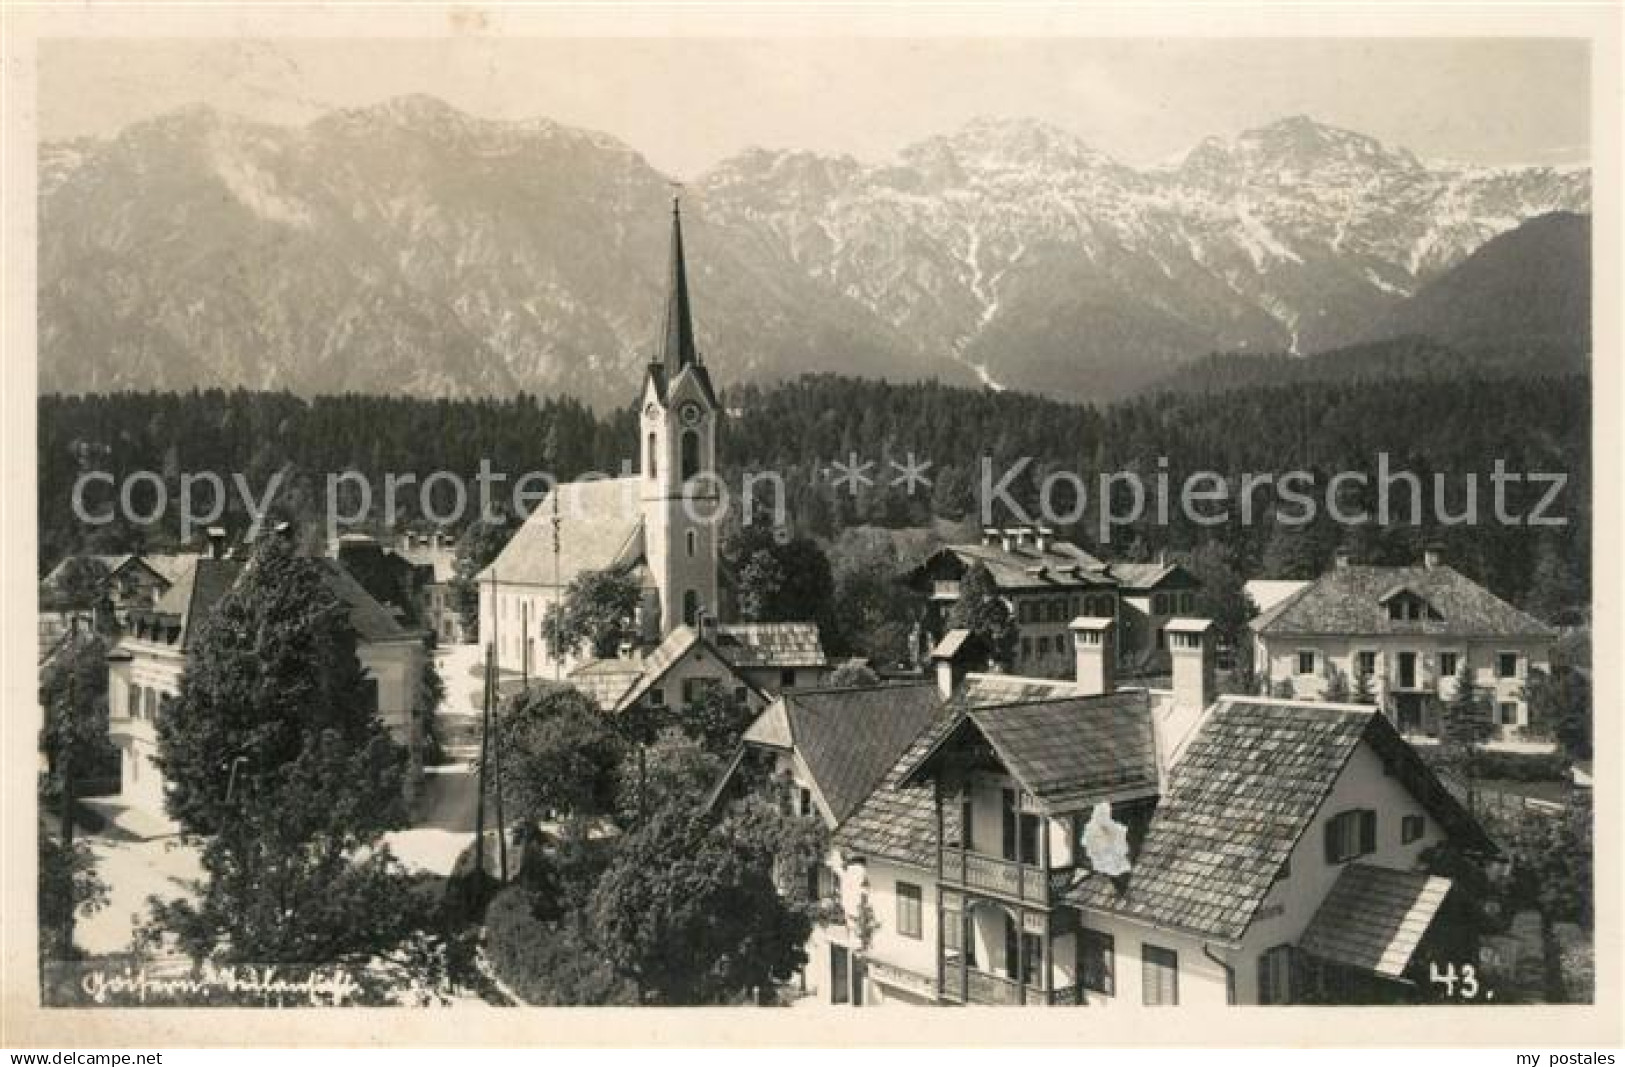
<point>1337,684</point>
<point>480,544</point>
<point>1557,594</point>
<point>854,674</point>
<point>1560,704</point>
<point>1283,689</point>
<point>549,959</point>
<point>599,610</point>
<point>85,584</point>
<point>276,756</point>
<point>1223,598</point>
<point>427,697</point>
<point>986,614</point>
<point>558,755</point>
<point>73,694</point>
<point>673,772</point>
<point>717,720</point>
<point>692,911</point>
<point>781,580</point>
<point>68,885</point>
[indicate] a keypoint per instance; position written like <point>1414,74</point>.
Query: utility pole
<point>485,749</point>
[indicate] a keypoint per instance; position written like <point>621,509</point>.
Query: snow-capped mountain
<point>410,247</point>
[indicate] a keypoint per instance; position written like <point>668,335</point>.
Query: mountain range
<point>412,248</point>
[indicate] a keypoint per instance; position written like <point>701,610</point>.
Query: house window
<point>1366,664</point>
<point>1410,828</point>
<point>1187,603</point>
<point>1097,962</point>
<point>1159,604</point>
<point>966,838</point>
<point>1026,648</point>
<point>829,885</point>
<point>1043,647</point>
<point>1306,661</point>
<point>1032,960</point>
<point>1506,665</point>
<point>694,689</point>
<point>1448,665</point>
<point>1031,827</point>
<point>1509,713</point>
<point>1275,976</point>
<point>839,975</point>
<point>741,694</point>
<point>787,677</point>
<point>908,910</point>
<point>657,697</point>
<point>804,802</point>
<point>1350,835</point>
<point>1159,975</point>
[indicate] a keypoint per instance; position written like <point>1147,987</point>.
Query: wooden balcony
<point>982,988</point>
<point>1000,877</point>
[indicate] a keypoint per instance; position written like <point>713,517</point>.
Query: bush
<point>1521,766</point>
<point>548,963</point>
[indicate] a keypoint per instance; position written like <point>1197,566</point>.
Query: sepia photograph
<point>793,522</point>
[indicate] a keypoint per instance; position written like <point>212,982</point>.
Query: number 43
<point>1464,982</point>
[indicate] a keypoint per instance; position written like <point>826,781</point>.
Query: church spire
<point>677,347</point>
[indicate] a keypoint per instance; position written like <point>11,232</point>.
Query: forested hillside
<point>1453,424</point>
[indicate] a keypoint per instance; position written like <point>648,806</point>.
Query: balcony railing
<point>1006,878</point>
<point>972,986</point>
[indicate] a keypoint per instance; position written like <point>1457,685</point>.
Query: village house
<point>436,559</point>
<point>1049,842</point>
<point>146,664</point>
<point>1048,582</point>
<point>1411,631</point>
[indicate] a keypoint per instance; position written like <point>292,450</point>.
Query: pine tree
<point>983,611</point>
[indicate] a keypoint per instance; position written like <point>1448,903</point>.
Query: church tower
<point>678,446</point>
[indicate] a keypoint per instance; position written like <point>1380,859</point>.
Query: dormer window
<point>1404,605</point>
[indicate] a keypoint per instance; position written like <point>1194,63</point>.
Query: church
<point>660,525</point>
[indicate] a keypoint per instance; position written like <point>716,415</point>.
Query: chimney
<point>948,663</point>
<point>1095,646</point>
<point>1046,537</point>
<point>217,542</point>
<point>989,535</point>
<point>1340,558</point>
<point>1008,537</point>
<point>1432,556</point>
<point>706,623</point>
<point>1190,645</point>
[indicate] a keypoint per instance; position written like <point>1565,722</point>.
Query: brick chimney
<point>1341,558</point>
<point>1009,538</point>
<point>1094,644</point>
<point>217,542</point>
<point>949,661</point>
<point>1045,538</point>
<point>1432,556</point>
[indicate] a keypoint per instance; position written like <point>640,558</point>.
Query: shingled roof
<point>1237,802</point>
<point>600,524</point>
<point>848,739</point>
<point>1064,566</point>
<point>1374,918</point>
<point>897,821</point>
<point>1350,599</point>
<point>1069,753</point>
<point>771,644</point>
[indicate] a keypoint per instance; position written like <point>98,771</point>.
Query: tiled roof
<point>899,822</point>
<point>1245,790</point>
<point>771,644</point>
<point>607,681</point>
<point>1064,566</point>
<point>1265,593</point>
<point>1070,752</point>
<point>1374,918</point>
<point>849,738</point>
<point>1349,600</point>
<point>600,525</point>
<point>195,593</point>
<point>1143,577</point>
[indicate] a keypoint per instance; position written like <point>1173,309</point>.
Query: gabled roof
<point>600,524</point>
<point>1374,918</point>
<point>1350,600</point>
<point>771,644</point>
<point>1064,567</point>
<point>849,738</point>
<point>1144,577</point>
<point>198,590</point>
<point>1241,796</point>
<point>607,681</point>
<point>677,644</point>
<point>1265,593</point>
<point>1070,752</point>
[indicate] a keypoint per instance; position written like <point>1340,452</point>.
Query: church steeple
<point>677,348</point>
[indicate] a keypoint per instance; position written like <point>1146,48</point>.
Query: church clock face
<point>690,413</point>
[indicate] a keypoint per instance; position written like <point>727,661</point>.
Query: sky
<point>688,103</point>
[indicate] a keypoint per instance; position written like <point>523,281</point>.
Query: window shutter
<point>1368,832</point>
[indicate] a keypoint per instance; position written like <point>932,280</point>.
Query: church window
<point>691,607</point>
<point>652,465</point>
<point>693,541</point>
<point>691,454</point>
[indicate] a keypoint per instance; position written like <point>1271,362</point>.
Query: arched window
<point>691,607</point>
<point>691,454</point>
<point>693,540</point>
<point>652,464</point>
